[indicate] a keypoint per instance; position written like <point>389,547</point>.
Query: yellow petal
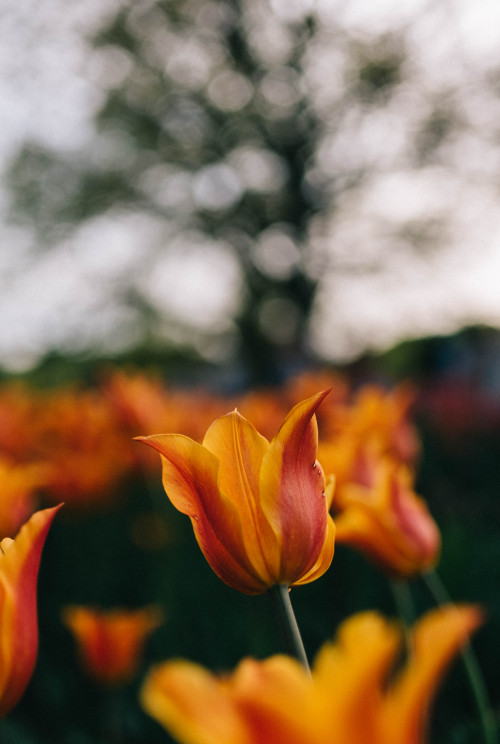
<point>239,448</point>
<point>437,638</point>
<point>262,702</point>
<point>190,475</point>
<point>193,705</point>
<point>330,491</point>
<point>277,701</point>
<point>350,676</point>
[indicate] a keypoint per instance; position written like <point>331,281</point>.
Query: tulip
<point>387,521</point>
<point>382,418</point>
<point>110,643</point>
<point>19,563</point>
<point>358,691</point>
<point>259,509</point>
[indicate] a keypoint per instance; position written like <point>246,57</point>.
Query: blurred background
<point>228,194</point>
<point>257,184</point>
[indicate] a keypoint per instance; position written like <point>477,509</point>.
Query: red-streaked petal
<point>240,448</point>
<point>190,474</point>
<point>19,563</point>
<point>292,490</point>
<point>414,522</point>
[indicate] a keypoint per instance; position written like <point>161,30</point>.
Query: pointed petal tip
<point>152,441</point>
<point>321,395</point>
<point>54,510</point>
<point>317,399</point>
<point>44,516</point>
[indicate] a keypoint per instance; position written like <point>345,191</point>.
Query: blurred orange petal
<point>110,642</point>
<point>19,563</point>
<point>358,692</point>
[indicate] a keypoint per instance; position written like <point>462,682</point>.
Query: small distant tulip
<point>110,643</point>
<point>19,563</point>
<point>358,693</point>
<point>259,509</point>
<point>388,522</point>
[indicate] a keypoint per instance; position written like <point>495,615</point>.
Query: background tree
<point>256,137</point>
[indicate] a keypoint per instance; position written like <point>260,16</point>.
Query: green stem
<point>112,716</point>
<point>280,595</point>
<point>476,679</point>
<point>405,609</point>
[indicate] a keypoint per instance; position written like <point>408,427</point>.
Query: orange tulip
<point>357,694</point>
<point>381,418</point>
<point>259,509</point>
<point>387,521</point>
<point>110,643</point>
<point>19,562</point>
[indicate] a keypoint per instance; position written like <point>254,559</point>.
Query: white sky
<point>65,297</point>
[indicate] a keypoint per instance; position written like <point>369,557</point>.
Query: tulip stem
<point>280,595</point>
<point>405,609</point>
<point>476,679</point>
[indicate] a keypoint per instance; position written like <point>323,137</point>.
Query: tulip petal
<point>269,694</point>
<point>240,448</point>
<point>414,520</point>
<point>358,527</point>
<point>19,563</point>
<point>193,705</point>
<point>351,674</point>
<point>436,640</point>
<point>292,489</point>
<point>190,475</point>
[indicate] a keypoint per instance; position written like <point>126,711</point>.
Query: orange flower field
<point>320,507</point>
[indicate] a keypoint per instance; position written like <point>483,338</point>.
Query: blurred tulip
<point>19,563</point>
<point>19,483</point>
<point>387,521</point>
<point>259,509</point>
<point>87,453</point>
<point>17,411</point>
<point>376,419</point>
<point>145,402</point>
<point>358,692</point>
<point>307,383</point>
<point>110,642</point>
